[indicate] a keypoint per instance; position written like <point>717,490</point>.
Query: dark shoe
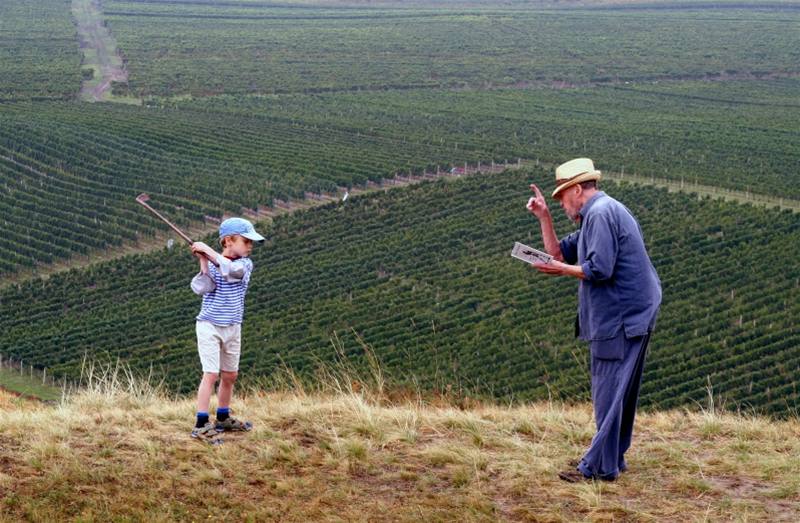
<point>576,476</point>
<point>233,425</point>
<point>573,476</point>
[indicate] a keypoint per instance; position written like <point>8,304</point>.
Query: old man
<point>618,300</point>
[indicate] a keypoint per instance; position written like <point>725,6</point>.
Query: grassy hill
<point>422,275</point>
<point>120,452</point>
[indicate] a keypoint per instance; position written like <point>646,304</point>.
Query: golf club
<point>143,199</point>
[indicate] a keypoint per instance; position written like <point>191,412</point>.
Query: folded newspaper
<point>529,254</point>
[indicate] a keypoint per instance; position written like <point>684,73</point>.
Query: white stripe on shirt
<point>225,305</point>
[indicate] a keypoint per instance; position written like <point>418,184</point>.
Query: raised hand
<point>200,248</point>
<point>537,204</point>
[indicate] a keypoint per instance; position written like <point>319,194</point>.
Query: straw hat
<point>574,171</point>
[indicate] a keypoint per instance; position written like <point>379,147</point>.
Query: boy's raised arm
<point>232,271</point>
<point>202,283</point>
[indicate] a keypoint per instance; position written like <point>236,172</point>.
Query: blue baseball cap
<point>241,227</point>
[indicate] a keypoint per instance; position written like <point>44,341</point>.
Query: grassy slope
<point>22,384</point>
<point>327,455</point>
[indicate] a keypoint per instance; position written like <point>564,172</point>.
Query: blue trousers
<point>616,379</point>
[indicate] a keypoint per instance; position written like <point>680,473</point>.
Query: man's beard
<point>573,217</point>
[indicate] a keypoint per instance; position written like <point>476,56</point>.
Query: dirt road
<point>100,51</point>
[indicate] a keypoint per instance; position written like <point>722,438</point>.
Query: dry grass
<point>121,451</point>
<point>13,401</point>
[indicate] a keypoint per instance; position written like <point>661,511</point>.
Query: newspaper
<point>529,254</point>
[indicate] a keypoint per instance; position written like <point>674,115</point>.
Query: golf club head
<point>142,198</point>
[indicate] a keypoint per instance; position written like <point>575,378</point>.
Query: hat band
<point>567,180</point>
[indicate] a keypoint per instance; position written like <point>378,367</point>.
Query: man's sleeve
<point>602,247</point>
<point>569,248</point>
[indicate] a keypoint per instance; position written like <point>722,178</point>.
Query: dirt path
<point>708,190</point>
<point>100,51</point>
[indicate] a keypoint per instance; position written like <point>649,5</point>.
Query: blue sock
<point>223,413</point>
<point>202,419</point>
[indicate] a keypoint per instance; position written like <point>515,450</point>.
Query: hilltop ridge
<point>352,455</point>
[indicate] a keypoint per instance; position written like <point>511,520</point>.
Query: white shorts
<point>219,346</point>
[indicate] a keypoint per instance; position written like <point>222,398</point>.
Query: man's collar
<point>588,205</point>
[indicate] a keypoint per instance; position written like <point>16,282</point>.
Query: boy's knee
<point>229,376</point>
<point>210,376</point>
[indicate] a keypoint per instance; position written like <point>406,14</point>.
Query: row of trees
<point>738,135</point>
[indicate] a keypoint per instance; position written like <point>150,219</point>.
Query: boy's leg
<point>203,428</point>
<point>231,349</point>
<point>225,392</point>
<point>208,347</point>
<point>205,391</point>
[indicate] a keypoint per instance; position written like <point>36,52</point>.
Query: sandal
<point>207,433</point>
<point>233,425</point>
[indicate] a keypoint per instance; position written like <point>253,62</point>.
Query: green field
<point>39,56</point>
<point>247,102</point>
<point>206,48</point>
<point>82,165</point>
<point>423,276</point>
<point>69,173</point>
<point>734,135</point>
<point>29,387</point>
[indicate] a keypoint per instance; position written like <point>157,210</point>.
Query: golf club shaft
<point>142,199</point>
<point>174,228</point>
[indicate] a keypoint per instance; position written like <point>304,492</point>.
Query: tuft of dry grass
<point>120,450</point>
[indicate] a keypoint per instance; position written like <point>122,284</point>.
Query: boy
<point>223,285</point>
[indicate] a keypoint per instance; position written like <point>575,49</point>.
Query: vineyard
<point>422,275</point>
<point>69,173</point>
<point>39,56</point>
<point>80,166</point>
<point>252,103</point>
<point>203,48</point>
<point>736,135</point>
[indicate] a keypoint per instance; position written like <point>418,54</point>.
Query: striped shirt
<point>223,290</point>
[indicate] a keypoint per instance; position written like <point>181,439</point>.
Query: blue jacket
<point>621,292</point>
